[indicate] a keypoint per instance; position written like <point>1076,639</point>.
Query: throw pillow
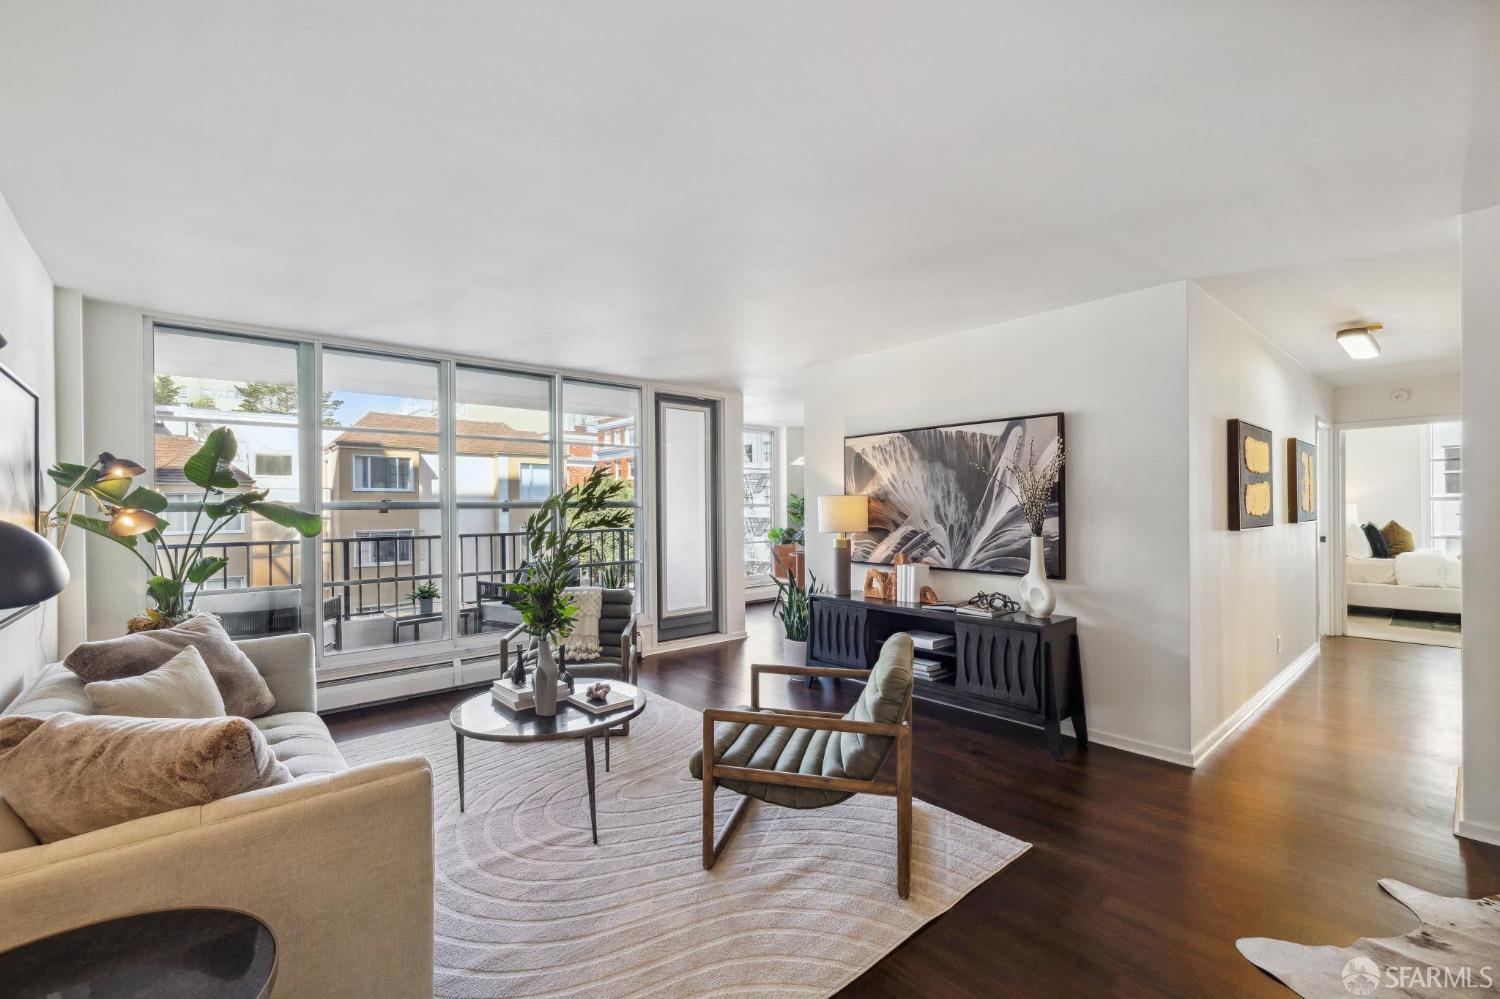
<point>1356,545</point>
<point>240,684</point>
<point>583,644</point>
<point>182,687</point>
<point>70,774</point>
<point>1398,539</point>
<point>1377,542</point>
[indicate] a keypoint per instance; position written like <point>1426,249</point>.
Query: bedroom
<point>1403,490</point>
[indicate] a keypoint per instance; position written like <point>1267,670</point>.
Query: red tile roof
<point>421,435</point>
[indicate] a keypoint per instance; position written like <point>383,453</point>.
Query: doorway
<point>1402,532</point>
<point>687,510</point>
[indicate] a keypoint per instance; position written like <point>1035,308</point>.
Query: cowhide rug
<point>1455,952</point>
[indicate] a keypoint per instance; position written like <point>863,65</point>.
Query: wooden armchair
<point>760,753</point>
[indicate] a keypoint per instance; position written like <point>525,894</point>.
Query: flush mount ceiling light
<point>1359,342</point>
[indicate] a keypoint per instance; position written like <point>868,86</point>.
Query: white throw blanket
<point>583,644</point>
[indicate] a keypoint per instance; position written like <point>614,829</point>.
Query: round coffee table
<point>170,954</point>
<point>481,718</point>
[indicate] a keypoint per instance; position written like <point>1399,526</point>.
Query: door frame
<point>690,624</point>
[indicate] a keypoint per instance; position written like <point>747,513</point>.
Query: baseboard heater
<point>347,693</point>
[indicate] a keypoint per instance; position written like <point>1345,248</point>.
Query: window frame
<point>355,469</point>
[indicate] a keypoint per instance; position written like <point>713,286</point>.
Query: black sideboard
<point>1014,667</point>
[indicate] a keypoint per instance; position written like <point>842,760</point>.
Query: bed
<point>1424,580</point>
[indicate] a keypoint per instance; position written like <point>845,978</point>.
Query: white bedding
<point>1427,567</point>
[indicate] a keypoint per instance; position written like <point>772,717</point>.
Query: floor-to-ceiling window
<point>761,487</point>
<point>1445,486</point>
<point>425,470</point>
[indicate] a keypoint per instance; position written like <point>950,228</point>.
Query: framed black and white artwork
<point>20,464</point>
<point>929,501</point>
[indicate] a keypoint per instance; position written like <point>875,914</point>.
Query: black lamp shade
<point>31,570</point>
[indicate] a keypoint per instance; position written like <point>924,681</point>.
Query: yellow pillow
<point>1397,538</point>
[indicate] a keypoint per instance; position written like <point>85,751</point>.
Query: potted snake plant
<point>793,608</point>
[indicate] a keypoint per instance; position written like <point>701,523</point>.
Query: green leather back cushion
<point>881,701</point>
<point>613,616</point>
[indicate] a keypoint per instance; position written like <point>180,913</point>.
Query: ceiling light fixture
<point>1359,343</point>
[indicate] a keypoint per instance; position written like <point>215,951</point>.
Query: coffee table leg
<point>588,762</point>
<point>460,737</point>
<point>606,750</point>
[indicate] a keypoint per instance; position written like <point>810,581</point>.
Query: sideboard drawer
<point>838,634</point>
<point>1002,664</point>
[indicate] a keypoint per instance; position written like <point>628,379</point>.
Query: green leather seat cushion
<point>806,751</point>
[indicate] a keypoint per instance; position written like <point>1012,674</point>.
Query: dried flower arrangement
<point>1031,486</point>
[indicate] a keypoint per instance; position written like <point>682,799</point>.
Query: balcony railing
<point>364,576</point>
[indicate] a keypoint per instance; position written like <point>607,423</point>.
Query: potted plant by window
<point>793,609</point>
<point>556,544</point>
<point>130,516</point>
<point>786,540</point>
<point>423,595</point>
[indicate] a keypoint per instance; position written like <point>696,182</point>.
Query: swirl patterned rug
<point>800,903</point>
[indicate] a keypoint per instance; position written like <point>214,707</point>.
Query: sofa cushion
<point>301,742</point>
<point>71,774</point>
<point>13,832</point>
<point>240,684</point>
<point>181,687</point>
<point>57,688</point>
<point>598,669</point>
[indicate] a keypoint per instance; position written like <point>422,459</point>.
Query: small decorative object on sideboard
<point>1033,487</point>
<point>880,584</point>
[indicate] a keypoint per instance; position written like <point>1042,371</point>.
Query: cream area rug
<point>800,903</point>
<point>1454,953</point>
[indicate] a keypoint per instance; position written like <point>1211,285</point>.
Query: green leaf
<point>233,506</point>
<point>309,525</point>
<point>209,468</point>
<point>163,590</point>
<point>145,499</point>
<point>206,568</point>
<point>100,527</point>
<point>65,474</point>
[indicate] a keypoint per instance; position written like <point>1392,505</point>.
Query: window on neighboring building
<point>536,482</point>
<point>1444,476</point>
<point>268,464</point>
<point>389,547</point>
<point>382,473</point>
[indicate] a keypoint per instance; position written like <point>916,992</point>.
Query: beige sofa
<point>338,863</point>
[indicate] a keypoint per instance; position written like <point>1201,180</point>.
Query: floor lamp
<point>842,515</point>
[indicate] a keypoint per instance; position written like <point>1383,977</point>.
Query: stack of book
<point>507,695</point>
<point>931,641</point>
<point>931,670</point>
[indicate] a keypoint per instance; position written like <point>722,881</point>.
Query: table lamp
<point>842,515</point>
<point>34,571</point>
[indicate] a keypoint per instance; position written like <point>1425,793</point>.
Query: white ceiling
<point>722,192</point>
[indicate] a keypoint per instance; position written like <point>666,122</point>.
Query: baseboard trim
<point>1481,832</point>
<point>1226,728</point>
<point>696,642</point>
<point>1140,747</point>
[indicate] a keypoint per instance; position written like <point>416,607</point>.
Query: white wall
<point>1481,415</point>
<point>1433,396</point>
<point>1383,475</point>
<point>1248,587</point>
<point>26,323</point>
<point>1118,369</point>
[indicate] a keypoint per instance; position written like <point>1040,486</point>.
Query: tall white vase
<point>544,680</point>
<point>1038,599</point>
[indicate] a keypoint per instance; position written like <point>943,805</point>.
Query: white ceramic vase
<point>795,653</point>
<point>544,680</point>
<point>1038,599</point>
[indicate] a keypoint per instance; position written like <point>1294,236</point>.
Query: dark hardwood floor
<point>1143,874</point>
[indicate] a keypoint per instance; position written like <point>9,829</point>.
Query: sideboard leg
<point>1054,737</point>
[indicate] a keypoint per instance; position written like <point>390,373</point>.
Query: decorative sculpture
<point>880,584</point>
<point>597,693</point>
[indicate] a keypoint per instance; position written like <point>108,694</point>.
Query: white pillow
<point>181,687</point>
<point>583,644</point>
<point>1356,544</point>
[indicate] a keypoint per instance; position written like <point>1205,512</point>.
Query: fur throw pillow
<point>583,644</point>
<point>240,684</point>
<point>70,774</point>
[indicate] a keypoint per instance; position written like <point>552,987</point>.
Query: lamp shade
<point>843,514</point>
<point>34,571</point>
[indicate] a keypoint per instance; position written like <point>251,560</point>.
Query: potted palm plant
<point>556,544</point>
<point>129,515</point>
